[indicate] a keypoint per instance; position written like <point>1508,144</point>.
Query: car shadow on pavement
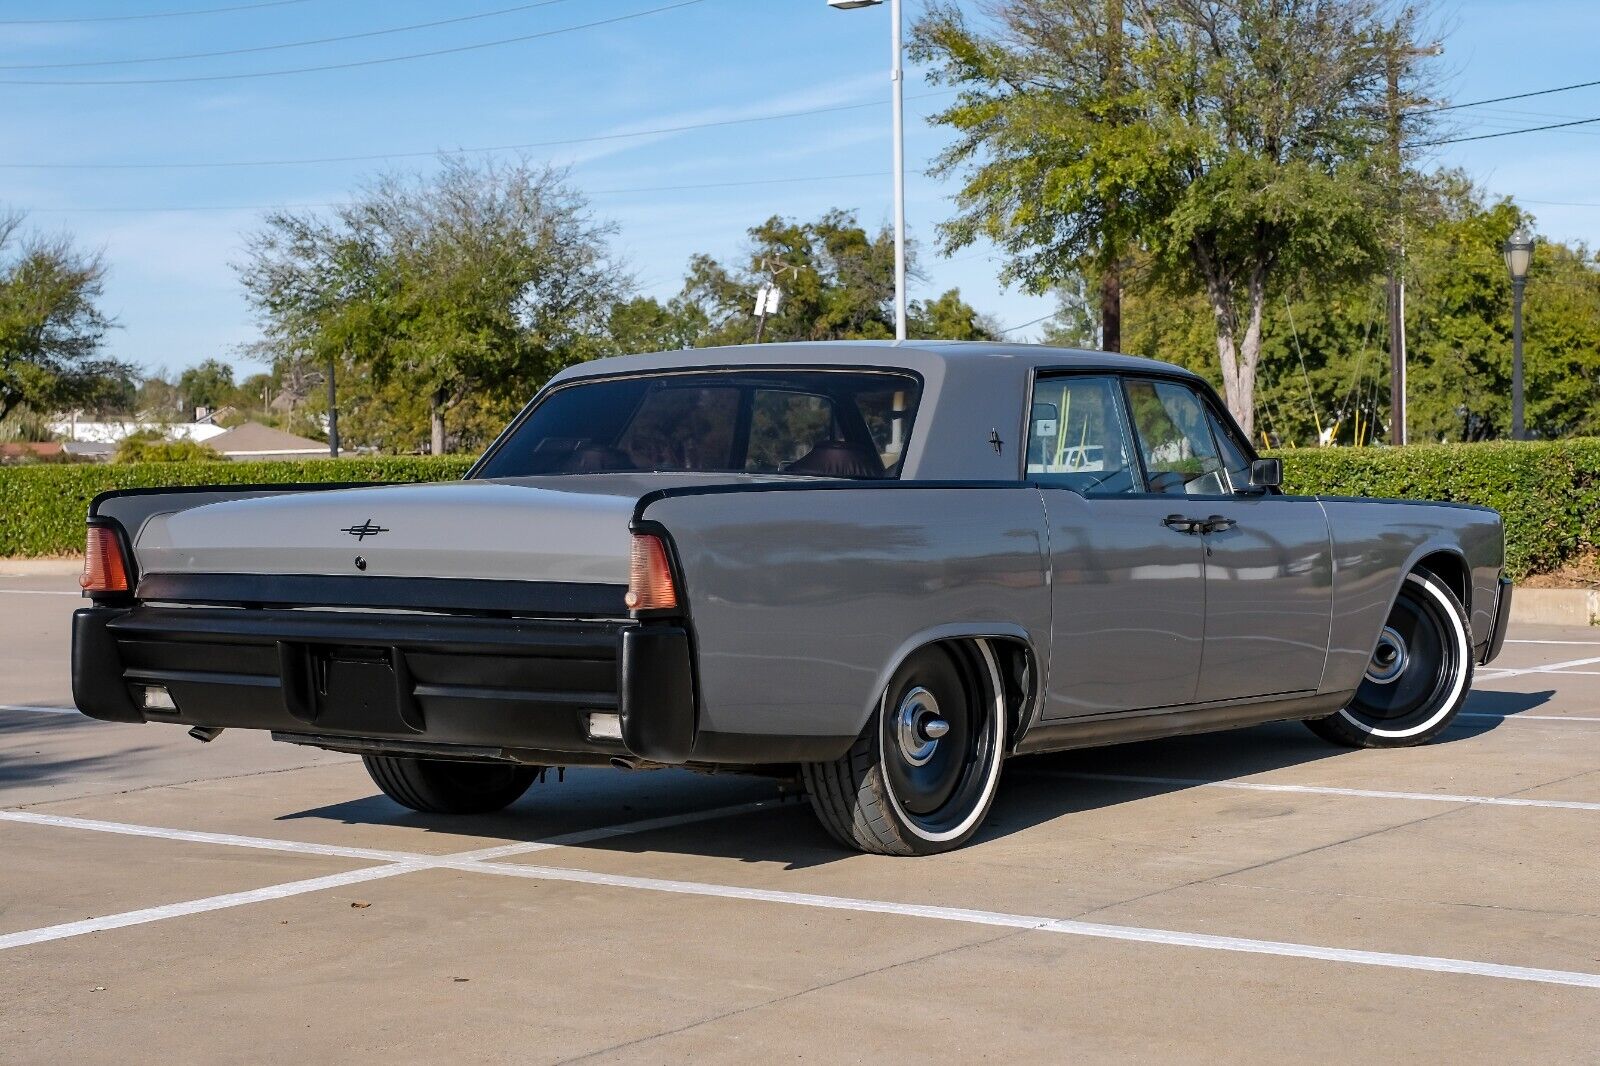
<point>1035,789</point>
<point>28,746</point>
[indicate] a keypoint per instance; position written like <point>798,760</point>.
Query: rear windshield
<point>843,424</point>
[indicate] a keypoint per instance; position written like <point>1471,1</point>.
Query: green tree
<point>467,288</point>
<point>837,283</point>
<point>51,327</point>
<point>209,385</point>
<point>1240,144</point>
<point>645,324</point>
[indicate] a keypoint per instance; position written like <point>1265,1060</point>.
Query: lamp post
<point>898,83</point>
<point>1519,253</point>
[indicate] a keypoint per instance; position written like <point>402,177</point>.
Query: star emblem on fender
<point>364,530</point>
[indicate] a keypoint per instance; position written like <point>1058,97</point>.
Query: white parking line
<point>1587,643</point>
<point>200,906</point>
<point>1548,668</point>
<point>1319,790</point>
<point>300,847</point>
<point>1067,926</point>
<point>41,710</point>
<point>397,863</point>
<point>39,592</point>
<point>1528,717</point>
<point>1167,937</point>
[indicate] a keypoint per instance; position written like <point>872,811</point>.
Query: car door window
<point>1077,437</point>
<point>1175,440</point>
<point>1235,463</point>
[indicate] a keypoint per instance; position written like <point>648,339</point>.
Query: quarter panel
<point>800,600</point>
<point>1375,544</point>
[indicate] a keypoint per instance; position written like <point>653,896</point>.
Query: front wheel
<point>1418,677</point>
<point>444,786</point>
<point>923,774</point>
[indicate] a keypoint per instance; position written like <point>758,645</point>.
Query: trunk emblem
<point>364,530</point>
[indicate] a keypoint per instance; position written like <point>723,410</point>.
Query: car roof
<point>920,356</point>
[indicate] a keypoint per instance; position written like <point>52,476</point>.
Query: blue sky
<point>175,297</point>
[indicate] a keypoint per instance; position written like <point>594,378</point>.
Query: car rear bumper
<point>467,687</point>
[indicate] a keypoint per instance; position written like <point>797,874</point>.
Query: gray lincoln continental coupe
<point>880,569</point>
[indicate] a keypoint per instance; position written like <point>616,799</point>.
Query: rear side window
<point>1077,438</point>
<point>842,424</point>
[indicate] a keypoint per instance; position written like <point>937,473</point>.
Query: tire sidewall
<point>916,838</point>
<point>1457,686</point>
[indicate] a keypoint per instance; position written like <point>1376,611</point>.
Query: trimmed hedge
<point>42,507</point>
<point>1548,491</point>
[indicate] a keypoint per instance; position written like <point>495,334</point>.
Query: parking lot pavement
<point>1247,895</point>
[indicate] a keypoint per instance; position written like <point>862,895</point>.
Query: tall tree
<point>51,327</point>
<point>469,286</point>
<point>837,283</point>
<point>1241,144</point>
<point>209,385</point>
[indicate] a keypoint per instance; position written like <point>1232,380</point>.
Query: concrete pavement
<point>241,901</point>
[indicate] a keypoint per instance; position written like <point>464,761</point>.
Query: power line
<point>345,203</point>
<point>356,63</point>
<point>1505,133</point>
<point>151,15</point>
<point>590,139</point>
<point>1025,325</point>
<point>1503,99</point>
<point>287,44</point>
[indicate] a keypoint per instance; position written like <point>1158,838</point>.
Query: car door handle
<point>1182,524</point>
<point>1216,524</point>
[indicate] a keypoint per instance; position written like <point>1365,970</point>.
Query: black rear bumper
<point>374,681</point>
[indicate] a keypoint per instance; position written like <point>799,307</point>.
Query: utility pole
<point>897,80</point>
<point>1111,276</point>
<point>333,412</point>
<point>1396,289</point>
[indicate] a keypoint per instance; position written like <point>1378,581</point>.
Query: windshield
<point>844,424</point>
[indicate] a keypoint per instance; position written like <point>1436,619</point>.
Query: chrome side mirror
<point>1266,474</point>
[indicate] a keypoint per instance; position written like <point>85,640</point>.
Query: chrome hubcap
<point>1389,659</point>
<point>918,726</point>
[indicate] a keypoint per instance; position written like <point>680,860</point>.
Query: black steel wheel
<point>923,774</point>
<point>444,786</point>
<point>1419,674</point>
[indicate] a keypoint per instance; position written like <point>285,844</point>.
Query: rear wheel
<point>443,786</point>
<point>922,776</point>
<point>1418,677</point>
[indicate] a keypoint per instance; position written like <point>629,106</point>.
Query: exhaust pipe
<point>205,734</point>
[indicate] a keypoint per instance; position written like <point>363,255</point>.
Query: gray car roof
<point>912,355</point>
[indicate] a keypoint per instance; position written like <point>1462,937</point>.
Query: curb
<point>1555,607</point>
<point>38,567</point>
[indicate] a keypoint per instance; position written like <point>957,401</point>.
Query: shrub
<point>150,446</point>
<point>42,507</point>
<point>1546,491</point>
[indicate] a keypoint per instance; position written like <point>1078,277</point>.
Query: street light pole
<point>1518,428</point>
<point>1519,255</point>
<point>898,84</point>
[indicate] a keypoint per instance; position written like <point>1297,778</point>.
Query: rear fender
<point>1020,707</point>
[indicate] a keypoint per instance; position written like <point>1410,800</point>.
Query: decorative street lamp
<point>898,80</point>
<point>1519,254</point>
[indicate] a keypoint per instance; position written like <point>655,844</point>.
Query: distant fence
<point>1548,491</point>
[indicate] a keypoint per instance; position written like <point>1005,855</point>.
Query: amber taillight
<point>104,568</point>
<point>649,577</point>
